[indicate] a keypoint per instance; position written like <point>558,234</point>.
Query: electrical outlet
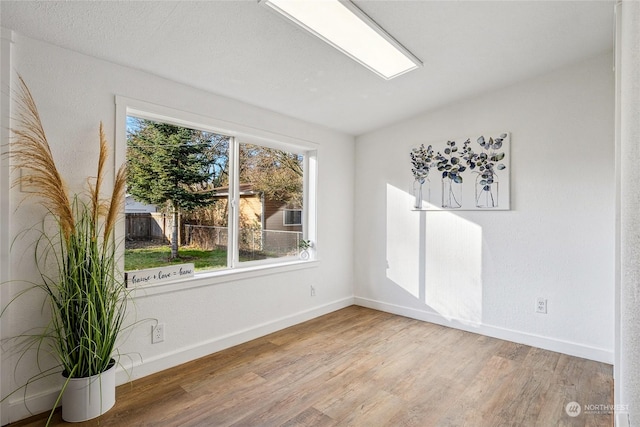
<point>157,333</point>
<point>313,291</point>
<point>541,305</point>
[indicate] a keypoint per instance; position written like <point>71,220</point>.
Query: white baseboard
<point>44,400</point>
<point>552,344</point>
<point>22,407</point>
<point>622,419</point>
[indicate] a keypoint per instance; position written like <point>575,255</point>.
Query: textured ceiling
<point>244,51</point>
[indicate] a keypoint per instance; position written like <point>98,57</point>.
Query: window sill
<point>222,276</point>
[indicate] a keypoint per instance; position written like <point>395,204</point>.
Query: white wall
<point>74,93</point>
<point>627,368</point>
<point>482,271</point>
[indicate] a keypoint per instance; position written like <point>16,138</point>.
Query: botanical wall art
<point>468,175</point>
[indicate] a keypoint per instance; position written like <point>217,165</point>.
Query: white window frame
<point>239,134</point>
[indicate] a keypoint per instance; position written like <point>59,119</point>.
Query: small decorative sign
<point>152,276</point>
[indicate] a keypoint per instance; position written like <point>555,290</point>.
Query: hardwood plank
<point>361,367</point>
<point>310,417</point>
<point>513,351</point>
<point>376,410</point>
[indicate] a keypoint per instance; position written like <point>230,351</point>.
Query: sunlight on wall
<point>453,265</point>
<point>403,241</point>
<point>436,257</point>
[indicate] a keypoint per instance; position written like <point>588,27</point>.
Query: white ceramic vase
<point>87,398</point>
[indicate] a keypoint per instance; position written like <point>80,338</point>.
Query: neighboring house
<point>271,215</point>
<point>281,216</point>
<point>265,224</point>
<point>131,205</point>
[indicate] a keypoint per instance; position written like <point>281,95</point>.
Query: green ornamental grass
<point>76,258</point>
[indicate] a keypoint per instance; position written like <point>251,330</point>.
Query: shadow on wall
<point>436,257</point>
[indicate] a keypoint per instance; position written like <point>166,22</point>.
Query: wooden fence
<point>154,226</point>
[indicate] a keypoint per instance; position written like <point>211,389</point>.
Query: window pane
<point>177,191</point>
<point>271,186</point>
<point>292,217</point>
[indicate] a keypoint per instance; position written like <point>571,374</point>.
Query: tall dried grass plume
<point>31,155</point>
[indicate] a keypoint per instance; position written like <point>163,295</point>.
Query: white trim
<point>222,276</point>
<point>552,344</point>
<point>21,407</point>
<point>310,201</point>
<point>244,133</point>
<point>233,219</point>
<point>622,419</point>
<point>617,365</point>
<point>5,192</point>
<point>119,159</point>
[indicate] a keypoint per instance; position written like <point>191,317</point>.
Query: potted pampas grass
<point>86,294</point>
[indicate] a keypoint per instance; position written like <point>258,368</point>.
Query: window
<point>292,217</point>
<point>204,199</point>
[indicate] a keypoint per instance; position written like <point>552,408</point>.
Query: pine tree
<point>165,163</point>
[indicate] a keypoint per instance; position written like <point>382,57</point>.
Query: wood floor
<point>360,367</point>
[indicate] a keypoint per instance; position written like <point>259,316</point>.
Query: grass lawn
<point>156,256</point>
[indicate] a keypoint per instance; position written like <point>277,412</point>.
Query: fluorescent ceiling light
<point>345,27</point>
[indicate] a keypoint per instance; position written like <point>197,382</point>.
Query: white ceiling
<point>244,51</point>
